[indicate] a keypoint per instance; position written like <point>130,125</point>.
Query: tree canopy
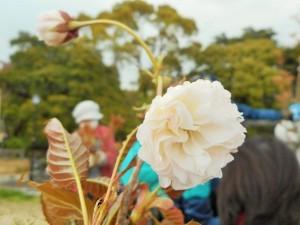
<point>250,69</point>
<point>61,77</point>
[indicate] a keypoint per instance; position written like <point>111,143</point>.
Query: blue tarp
<point>259,114</point>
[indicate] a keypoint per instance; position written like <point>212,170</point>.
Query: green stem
<point>78,24</point>
<point>77,180</point>
<point>159,87</point>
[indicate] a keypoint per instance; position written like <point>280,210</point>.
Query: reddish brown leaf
<point>172,193</point>
<point>147,200</point>
<point>95,188</point>
<point>173,215</point>
<point>60,205</point>
<point>60,159</point>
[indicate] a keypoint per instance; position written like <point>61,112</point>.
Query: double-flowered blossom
<point>189,133</point>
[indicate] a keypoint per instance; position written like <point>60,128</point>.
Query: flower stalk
<point>74,25</point>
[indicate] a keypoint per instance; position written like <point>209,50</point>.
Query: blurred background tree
<point>252,66</point>
<point>60,77</point>
<point>163,29</point>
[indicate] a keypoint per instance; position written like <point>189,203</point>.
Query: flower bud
<point>53,28</point>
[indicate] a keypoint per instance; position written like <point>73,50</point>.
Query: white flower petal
<point>164,182</point>
<point>188,134</point>
<point>47,28</point>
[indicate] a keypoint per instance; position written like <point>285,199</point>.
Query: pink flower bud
<point>53,28</point>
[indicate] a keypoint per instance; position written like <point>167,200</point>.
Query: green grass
<point>14,195</point>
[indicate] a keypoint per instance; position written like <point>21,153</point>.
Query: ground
<point>19,209</point>
<point>21,213</point>
<point>13,166</point>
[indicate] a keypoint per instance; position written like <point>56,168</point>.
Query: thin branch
<point>127,197</point>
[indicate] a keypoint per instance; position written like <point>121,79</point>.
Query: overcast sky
<point>212,16</point>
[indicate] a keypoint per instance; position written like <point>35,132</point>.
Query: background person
<point>99,139</point>
<point>261,186</point>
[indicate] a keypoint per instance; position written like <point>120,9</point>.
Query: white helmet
<point>87,110</point>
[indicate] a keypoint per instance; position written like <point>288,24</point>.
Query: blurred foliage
<point>252,66</point>
<point>292,57</point>
<point>162,28</point>
<point>248,33</point>
<point>262,131</point>
<point>15,195</point>
<point>15,142</point>
<point>61,77</point>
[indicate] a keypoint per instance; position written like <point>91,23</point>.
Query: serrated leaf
<point>60,205</point>
<point>60,159</point>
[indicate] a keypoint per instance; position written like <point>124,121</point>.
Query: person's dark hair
<point>261,186</point>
